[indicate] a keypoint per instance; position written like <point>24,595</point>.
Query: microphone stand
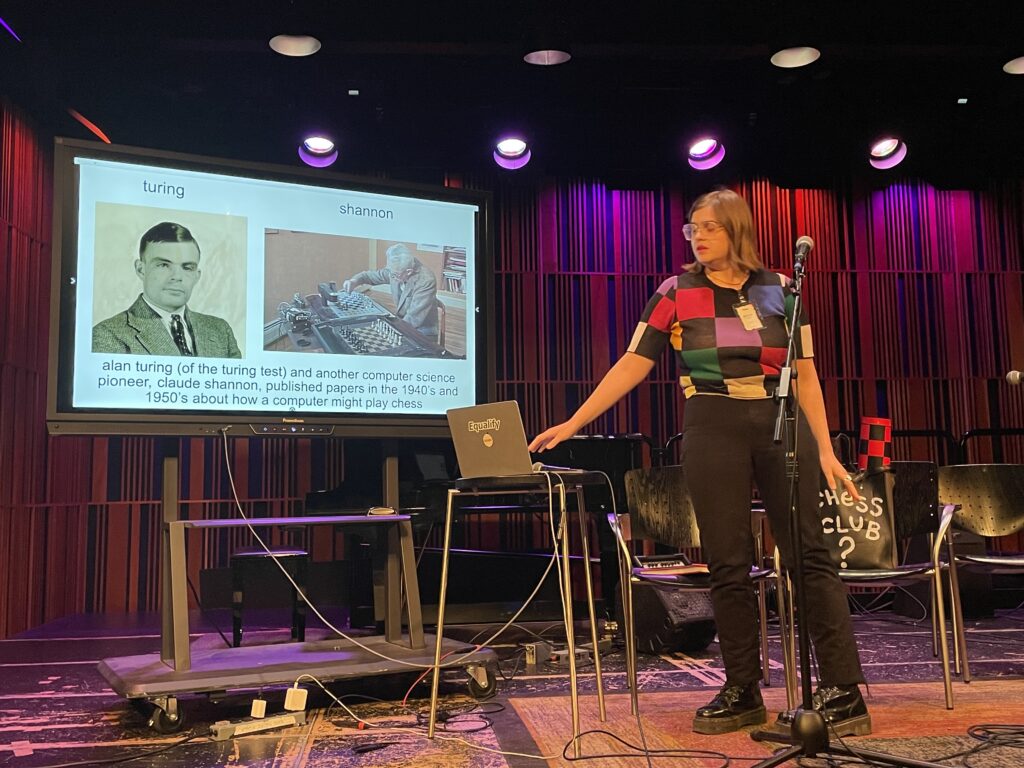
<point>809,732</point>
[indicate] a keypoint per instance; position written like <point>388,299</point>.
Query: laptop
<point>490,440</point>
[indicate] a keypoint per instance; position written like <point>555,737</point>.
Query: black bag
<point>861,534</point>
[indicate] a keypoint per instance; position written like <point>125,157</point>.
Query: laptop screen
<point>490,440</point>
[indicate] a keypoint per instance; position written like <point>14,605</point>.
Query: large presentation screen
<point>191,293</point>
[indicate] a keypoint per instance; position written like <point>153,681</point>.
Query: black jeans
<point>727,443</point>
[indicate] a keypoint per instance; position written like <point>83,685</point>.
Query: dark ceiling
<point>439,80</point>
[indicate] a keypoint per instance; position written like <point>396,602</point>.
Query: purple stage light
<point>318,145</point>
<point>315,160</point>
<point>705,153</point>
<point>887,153</point>
<point>512,163</point>
<point>8,28</point>
<point>512,152</point>
<point>511,146</point>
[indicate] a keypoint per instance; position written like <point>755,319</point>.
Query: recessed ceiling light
<point>295,45</point>
<point>705,153</point>
<point>798,56</point>
<point>512,152</point>
<point>547,57</point>
<point>961,101</point>
<point>318,145</point>
<point>887,153</point>
<point>513,146</point>
<point>353,91</point>
<point>1014,66</point>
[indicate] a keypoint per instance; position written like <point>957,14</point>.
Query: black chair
<point>247,564</point>
<point>989,501</point>
<point>916,510</point>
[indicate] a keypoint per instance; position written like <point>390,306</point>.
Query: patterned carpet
<point>56,709</point>
<point>909,719</point>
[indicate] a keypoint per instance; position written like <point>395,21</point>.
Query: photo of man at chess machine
<point>367,296</point>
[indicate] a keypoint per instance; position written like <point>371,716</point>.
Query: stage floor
<point>55,708</point>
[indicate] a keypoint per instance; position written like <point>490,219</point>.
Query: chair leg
<point>943,646</point>
<point>938,630</point>
<point>762,611</point>
<point>959,634</point>
<point>629,636</point>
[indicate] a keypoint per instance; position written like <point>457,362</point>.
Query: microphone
<point>803,247</point>
<point>1014,377</point>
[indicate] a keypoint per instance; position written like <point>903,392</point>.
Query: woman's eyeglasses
<point>707,227</point>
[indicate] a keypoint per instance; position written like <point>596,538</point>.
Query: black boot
<point>733,707</point>
<point>843,708</point>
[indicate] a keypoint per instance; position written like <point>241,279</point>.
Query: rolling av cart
<point>154,682</point>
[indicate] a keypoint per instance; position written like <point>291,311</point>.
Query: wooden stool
<point>245,561</point>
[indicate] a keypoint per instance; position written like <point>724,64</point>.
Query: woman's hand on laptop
<point>552,436</point>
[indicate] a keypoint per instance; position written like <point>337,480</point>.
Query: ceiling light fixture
<point>961,101</point>
<point>797,56</point>
<point>887,153</point>
<point>1014,66</point>
<point>295,45</point>
<point>318,151</point>
<point>705,153</point>
<point>547,57</point>
<point>512,153</point>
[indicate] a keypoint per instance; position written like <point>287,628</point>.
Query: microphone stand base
<point>809,738</point>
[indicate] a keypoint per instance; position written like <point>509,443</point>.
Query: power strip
<point>561,656</point>
<point>225,729</point>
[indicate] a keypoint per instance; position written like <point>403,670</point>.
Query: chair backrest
<point>660,507</point>
<point>915,498</point>
<point>990,496</point>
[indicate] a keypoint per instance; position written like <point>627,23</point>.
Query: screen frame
<point>63,418</point>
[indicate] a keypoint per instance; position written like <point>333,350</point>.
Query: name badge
<point>748,315</point>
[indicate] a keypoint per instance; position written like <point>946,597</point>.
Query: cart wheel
<point>481,691</point>
<point>162,722</point>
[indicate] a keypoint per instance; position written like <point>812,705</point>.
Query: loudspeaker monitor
<point>667,620</point>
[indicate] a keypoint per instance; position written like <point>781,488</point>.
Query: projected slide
<point>208,292</point>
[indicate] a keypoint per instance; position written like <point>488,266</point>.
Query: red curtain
<point>916,295</point>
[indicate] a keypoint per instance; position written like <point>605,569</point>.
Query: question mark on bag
<point>843,552</point>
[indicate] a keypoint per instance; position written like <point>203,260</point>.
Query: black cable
<point>202,611</point>
<point>518,657</point>
<point>640,752</point>
<point>112,761</point>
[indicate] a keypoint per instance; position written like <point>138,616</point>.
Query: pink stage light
<point>318,151</point>
<point>705,153</point>
<point>512,153</point>
<point>887,153</point>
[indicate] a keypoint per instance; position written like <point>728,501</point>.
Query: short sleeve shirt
<point>717,354</point>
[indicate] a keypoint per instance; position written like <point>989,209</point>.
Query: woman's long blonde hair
<point>733,213</point>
